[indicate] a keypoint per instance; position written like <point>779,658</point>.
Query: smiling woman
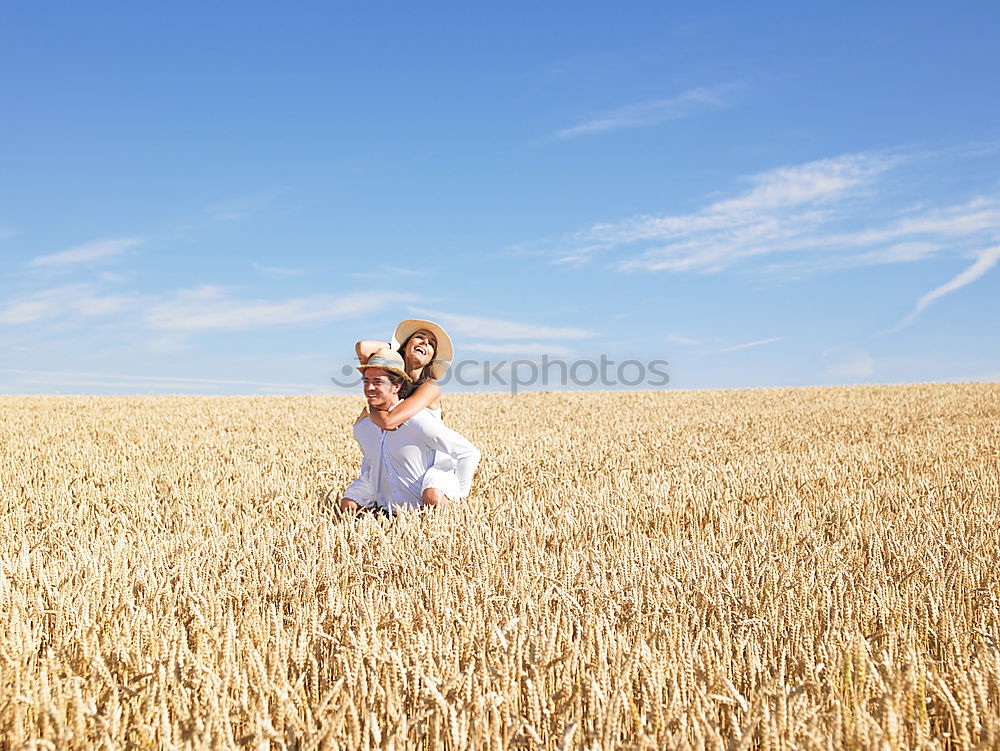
<point>427,352</point>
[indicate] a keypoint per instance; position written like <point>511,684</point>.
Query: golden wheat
<point>780,569</point>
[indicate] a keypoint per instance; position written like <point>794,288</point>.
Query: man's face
<point>380,392</point>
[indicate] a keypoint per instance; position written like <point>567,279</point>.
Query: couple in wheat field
<point>410,460</point>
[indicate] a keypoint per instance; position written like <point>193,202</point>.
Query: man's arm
<point>360,492</point>
<point>457,446</point>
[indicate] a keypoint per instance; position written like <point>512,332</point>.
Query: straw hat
<point>390,361</point>
<point>443,352</point>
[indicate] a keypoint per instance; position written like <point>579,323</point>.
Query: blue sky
<point>202,198</point>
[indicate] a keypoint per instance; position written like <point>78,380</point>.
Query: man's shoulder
<point>418,422</point>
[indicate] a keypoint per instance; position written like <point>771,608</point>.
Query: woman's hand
<point>368,347</point>
<point>362,416</point>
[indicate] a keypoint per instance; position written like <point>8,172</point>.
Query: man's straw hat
<point>390,361</point>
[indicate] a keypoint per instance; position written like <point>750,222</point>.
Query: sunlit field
<point>774,569</point>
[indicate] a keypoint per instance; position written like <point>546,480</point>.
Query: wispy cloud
<point>685,341</point>
<point>519,348</point>
<point>986,260</point>
<point>822,215</point>
<point>74,300</point>
<point>92,251</point>
<point>71,378</point>
<point>403,271</point>
<point>493,328</point>
<point>711,346</point>
<point>655,111</point>
<point>750,345</point>
<point>212,308</point>
<point>784,208</point>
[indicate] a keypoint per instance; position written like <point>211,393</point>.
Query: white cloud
<point>784,211</point>
<point>987,260</point>
<point>685,104</point>
<point>210,308</point>
<point>685,341</point>
<point>70,300</point>
<point>403,271</point>
<point>492,328</point>
<point>904,252</point>
<point>75,378</point>
<point>92,251</point>
<point>519,348</point>
<point>816,182</point>
<point>918,237</point>
<point>822,215</point>
<point>750,345</point>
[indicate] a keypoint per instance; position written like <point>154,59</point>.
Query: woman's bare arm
<point>426,394</point>
<point>368,347</point>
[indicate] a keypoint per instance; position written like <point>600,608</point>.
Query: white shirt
<point>395,461</point>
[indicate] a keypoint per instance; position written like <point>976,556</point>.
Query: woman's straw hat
<point>443,352</point>
<point>389,360</point>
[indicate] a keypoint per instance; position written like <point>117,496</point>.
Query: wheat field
<point>768,569</point>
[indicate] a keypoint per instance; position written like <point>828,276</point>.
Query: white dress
<point>442,475</point>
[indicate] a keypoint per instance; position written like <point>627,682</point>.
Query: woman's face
<point>419,349</point>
